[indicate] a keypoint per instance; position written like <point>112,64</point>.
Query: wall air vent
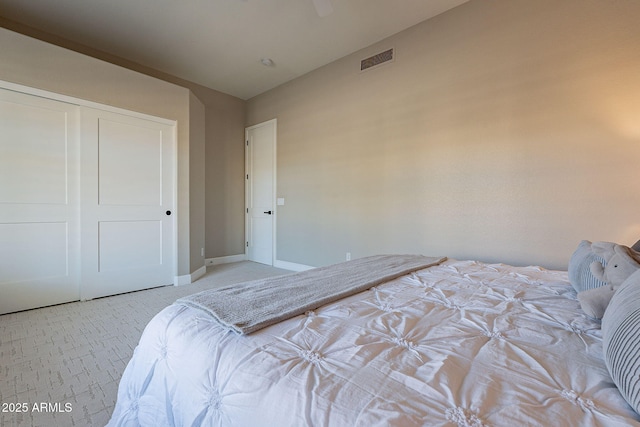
<point>377,59</point>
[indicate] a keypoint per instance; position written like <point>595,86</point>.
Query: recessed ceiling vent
<point>377,59</point>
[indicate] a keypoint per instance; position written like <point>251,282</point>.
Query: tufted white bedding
<point>459,344</point>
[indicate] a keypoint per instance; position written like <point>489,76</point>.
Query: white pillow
<point>621,339</point>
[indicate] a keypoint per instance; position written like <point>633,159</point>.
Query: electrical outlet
<point>348,256</point>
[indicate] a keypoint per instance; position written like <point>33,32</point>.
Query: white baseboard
<point>189,278</point>
<point>286,265</point>
<point>198,273</point>
<point>225,259</point>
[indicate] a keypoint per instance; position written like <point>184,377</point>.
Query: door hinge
<point>247,176</point>
<point>247,244</point>
<point>247,210</point>
<point>247,143</point>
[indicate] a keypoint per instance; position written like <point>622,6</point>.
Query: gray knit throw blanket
<point>250,306</point>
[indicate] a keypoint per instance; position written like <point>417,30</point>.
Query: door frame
<point>247,191</point>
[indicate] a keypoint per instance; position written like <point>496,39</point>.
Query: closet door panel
<point>129,164</point>
<point>33,153</point>
<point>128,217</point>
<point>39,227</point>
<point>119,251</point>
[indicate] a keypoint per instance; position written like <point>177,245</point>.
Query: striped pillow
<point>621,339</point>
<point>580,275</point>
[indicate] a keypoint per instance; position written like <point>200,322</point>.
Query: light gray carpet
<point>62,364</point>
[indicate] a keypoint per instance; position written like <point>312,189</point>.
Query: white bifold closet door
<point>39,228</point>
<point>86,202</point>
<point>127,203</point>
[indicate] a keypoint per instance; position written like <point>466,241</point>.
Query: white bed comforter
<point>459,344</point>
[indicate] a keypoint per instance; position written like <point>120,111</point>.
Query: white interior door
<point>128,216</point>
<point>261,160</point>
<point>39,229</point>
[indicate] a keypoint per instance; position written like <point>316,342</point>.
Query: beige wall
<point>197,191</point>
<point>504,131</point>
<point>33,63</point>
<point>225,177</point>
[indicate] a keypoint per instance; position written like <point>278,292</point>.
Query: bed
<point>460,343</point>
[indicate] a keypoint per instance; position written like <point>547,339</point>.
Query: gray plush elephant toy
<point>620,263</point>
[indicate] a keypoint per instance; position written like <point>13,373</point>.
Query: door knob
<point>168,212</point>
<point>267,212</point>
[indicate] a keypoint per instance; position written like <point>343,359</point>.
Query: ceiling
<point>220,43</point>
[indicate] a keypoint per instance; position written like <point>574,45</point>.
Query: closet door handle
<point>267,212</point>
